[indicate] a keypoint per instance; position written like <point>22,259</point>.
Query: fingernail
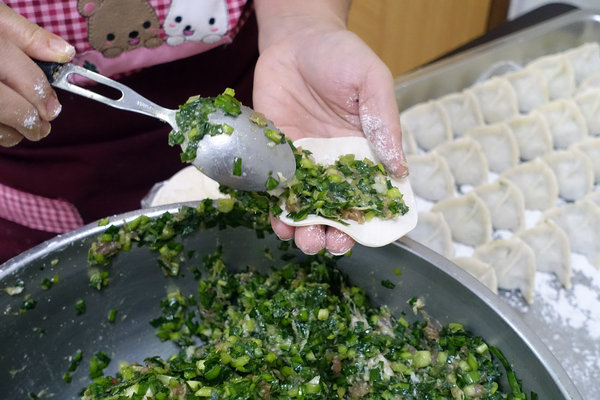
<point>53,107</point>
<point>45,129</point>
<point>65,50</point>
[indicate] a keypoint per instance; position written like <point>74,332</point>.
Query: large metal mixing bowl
<point>35,345</point>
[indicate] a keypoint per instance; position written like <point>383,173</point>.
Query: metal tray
<point>578,351</point>
<point>464,69</point>
<point>35,346</point>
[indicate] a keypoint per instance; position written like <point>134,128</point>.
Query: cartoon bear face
<point>115,26</point>
<point>196,21</point>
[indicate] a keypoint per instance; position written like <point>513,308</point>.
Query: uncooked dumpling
<point>567,124</point>
<point>430,176</point>
<point>466,161</point>
<point>585,60</point>
<point>468,218</point>
<point>589,105</point>
<point>574,172</point>
<point>536,181</point>
<point>409,146</point>
<point>593,82</point>
<point>505,202</point>
<point>427,123</point>
<point>462,110</point>
<point>514,263</point>
<point>551,247</point>
<point>581,223</point>
<point>376,232</point>
<point>594,197</point>
<point>484,272</point>
<point>558,71</point>
<point>591,147</point>
<point>530,88</point>
<point>499,145</point>
<point>433,232</point>
<point>532,134</point>
<point>496,98</point>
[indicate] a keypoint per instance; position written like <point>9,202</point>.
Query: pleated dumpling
<point>468,218</point>
<point>594,197</point>
<point>536,181</point>
<point>574,172</point>
<point>532,134</point>
<point>530,88</point>
<point>427,123</point>
<point>409,146</point>
<point>590,83</point>
<point>466,161</point>
<point>505,203</point>
<point>567,124</point>
<point>433,232</point>
<point>551,247</point>
<point>462,110</point>
<point>589,105</point>
<point>499,145</point>
<point>591,147</point>
<point>430,176</point>
<point>484,272</point>
<point>581,223</point>
<point>496,98</point>
<point>585,60</point>
<point>514,263</point>
<point>558,72</point>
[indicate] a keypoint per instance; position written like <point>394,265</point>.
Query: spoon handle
<point>58,75</point>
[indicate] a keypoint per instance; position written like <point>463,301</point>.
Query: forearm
<point>279,18</point>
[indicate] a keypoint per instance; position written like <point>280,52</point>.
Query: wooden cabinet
<point>409,33</point>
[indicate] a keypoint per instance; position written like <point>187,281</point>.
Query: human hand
<point>315,78</point>
<point>27,101</point>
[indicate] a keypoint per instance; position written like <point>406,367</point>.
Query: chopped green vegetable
<point>74,364</point>
<point>387,284</point>
<point>112,315</point>
<point>237,166</point>
<point>48,283</point>
<point>302,332</point>
<point>274,136</point>
<point>98,363</point>
<point>28,304</point>
<point>80,307</point>
<point>348,190</point>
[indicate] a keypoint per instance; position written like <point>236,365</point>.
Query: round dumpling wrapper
<point>377,232</point>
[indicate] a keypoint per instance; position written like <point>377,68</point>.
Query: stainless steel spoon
<point>216,155</point>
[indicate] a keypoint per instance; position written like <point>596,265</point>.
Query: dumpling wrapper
<point>377,232</point>
<point>581,223</point>
<point>552,250</point>
<point>433,231</point>
<point>574,172</point>
<point>514,263</point>
<point>468,218</point>
<point>484,272</point>
<point>189,184</point>
<point>432,178</point>
<point>591,147</point>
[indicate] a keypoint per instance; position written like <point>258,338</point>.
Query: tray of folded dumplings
<point>503,145</point>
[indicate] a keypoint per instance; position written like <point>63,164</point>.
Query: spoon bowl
<point>244,159</point>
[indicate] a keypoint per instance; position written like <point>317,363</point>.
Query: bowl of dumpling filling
<point>201,300</point>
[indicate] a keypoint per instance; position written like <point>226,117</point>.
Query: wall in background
<point>409,33</point>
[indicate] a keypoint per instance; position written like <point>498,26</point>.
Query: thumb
<point>32,39</point>
<point>380,121</point>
